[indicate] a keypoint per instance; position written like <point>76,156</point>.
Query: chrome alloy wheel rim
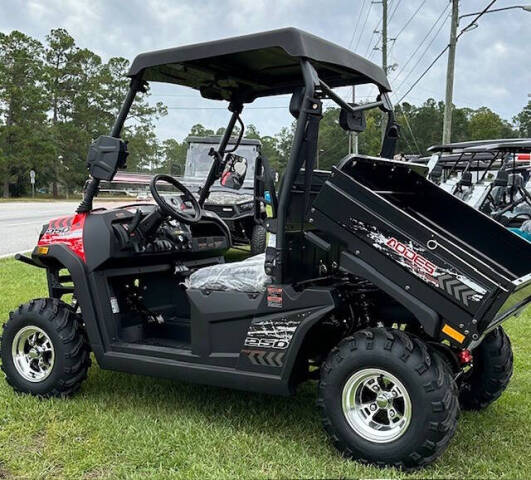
<point>33,354</point>
<point>376,405</point>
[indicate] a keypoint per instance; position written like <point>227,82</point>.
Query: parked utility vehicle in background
<point>235,206</point>
<point>493,176</point>
<point>379,284</point>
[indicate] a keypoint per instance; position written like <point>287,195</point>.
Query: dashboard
<point>138,231</point>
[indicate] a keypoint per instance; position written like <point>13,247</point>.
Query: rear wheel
<point>43,350</point>
<point>258,239</point>
<point>385,400</point>
<point>491,372</point>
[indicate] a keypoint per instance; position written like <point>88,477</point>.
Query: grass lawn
<point>127,426</point>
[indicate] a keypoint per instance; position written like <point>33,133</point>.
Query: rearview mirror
<point>352,121</point>
<point>106,155</point>
<point>234,171</point>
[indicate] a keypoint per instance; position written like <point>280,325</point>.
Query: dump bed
<point>457,270</point>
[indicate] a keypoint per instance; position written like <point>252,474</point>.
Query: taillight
<point>465,356</point>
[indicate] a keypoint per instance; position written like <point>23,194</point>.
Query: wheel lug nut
<point>391,413</point>
<point>373,407</point>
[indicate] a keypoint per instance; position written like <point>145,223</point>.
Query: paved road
<point>21,223</point>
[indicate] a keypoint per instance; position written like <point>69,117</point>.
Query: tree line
<point>56,97</point>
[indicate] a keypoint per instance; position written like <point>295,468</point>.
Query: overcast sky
<point>492,65</point>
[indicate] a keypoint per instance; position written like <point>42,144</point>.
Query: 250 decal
<point>266,343</point>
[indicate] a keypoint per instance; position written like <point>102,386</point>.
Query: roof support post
<point>311,81</point>
<point>136,85</point>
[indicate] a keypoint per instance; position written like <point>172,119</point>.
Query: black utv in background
<point>235,206</point>
<point>493,176</point>
<point>385,288</point>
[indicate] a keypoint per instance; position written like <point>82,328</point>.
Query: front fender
<point>63,256</point>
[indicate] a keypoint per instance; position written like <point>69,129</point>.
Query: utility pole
<point>448,102</point>
<point>384,53</point>
<point>384,35</point>
<point>353,136</point>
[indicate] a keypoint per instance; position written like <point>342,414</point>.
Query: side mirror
<point>352,122</point>
<point>234,172</point>
<point>105,156</point>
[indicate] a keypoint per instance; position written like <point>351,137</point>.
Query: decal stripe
<point>456,288</point>
<point>265,359</point>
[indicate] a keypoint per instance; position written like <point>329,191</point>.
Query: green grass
<point>127,426</point>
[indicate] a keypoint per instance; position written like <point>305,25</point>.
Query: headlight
<point>246,206</point>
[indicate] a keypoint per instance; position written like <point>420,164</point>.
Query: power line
<point>408,144</point>
<point>378,40</point>
<point>483,12</point>
<point>394,11</point>
<point>223,108</point>
<point>410,19</point>
<point>263,107</point>
<point>374,32</point>
<point>363,28</point>
<point>375,48</point>
<point>356,26</point>
<point>419,46</point>
<point>446,48</point>
<point>423,73</point>
<point>422,54</point>
<point>410,131</point>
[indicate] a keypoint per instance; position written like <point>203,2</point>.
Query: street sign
<point>32,180</point>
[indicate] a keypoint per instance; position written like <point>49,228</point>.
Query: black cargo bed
<point>457,261</point>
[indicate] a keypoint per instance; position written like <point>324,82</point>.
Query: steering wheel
<point>170,210</point>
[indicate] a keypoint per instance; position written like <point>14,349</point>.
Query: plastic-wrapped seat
<point>245,276</point>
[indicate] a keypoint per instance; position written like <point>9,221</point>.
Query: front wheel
<point>43,350</point>
<point>385,400</point>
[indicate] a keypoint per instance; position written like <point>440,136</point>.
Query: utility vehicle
<point>235,206</point>
<point>487,175</point>
<point>385,288</point>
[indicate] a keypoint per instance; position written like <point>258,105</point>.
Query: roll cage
<point>479,155</point>
<point>241,69</point>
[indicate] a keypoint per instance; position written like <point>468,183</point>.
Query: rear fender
<point>427,317</point>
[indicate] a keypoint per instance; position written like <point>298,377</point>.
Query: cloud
<point>492,61</point>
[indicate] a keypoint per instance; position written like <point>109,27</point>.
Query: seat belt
<point>271,213</point>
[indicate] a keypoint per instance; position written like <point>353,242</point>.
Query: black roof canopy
<point>517,145</point>
<point>250,66</point>
<point>449,147</point>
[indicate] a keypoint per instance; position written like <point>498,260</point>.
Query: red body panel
<point>67,231</point>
